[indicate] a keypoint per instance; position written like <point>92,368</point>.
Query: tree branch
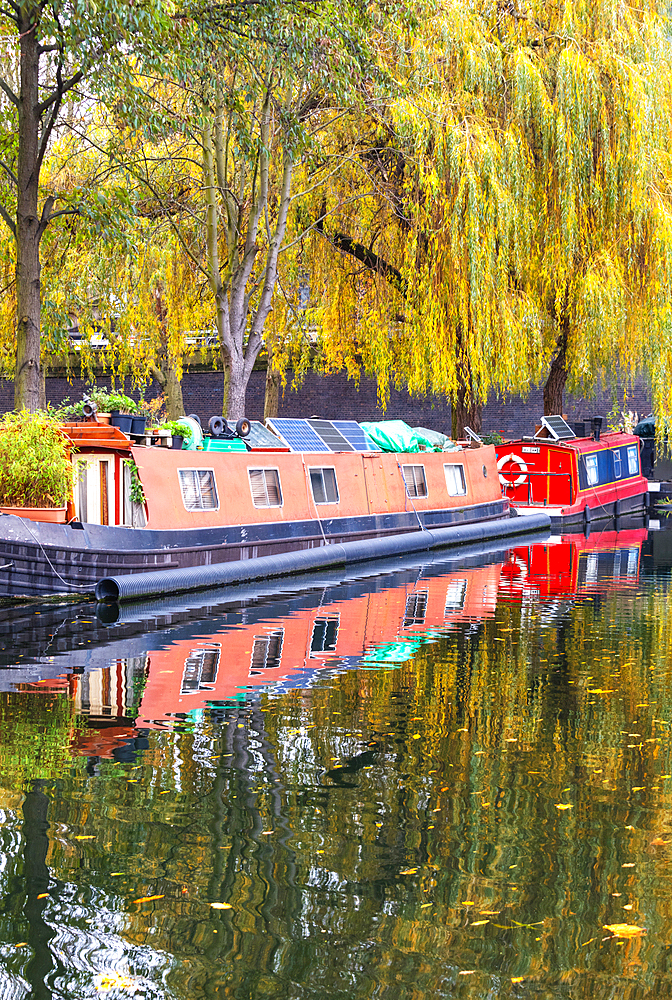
<point>10,173</point>
<point>364,255</point>
<point>4,214</point>
<point>9,93</point>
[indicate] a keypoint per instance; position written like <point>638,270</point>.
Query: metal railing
<point>546,475</point>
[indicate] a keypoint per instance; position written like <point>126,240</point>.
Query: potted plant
<point>179,432</point>
<point>111,407</point>
<point>36,474</point>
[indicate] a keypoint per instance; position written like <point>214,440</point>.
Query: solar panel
<point>298,435</point>
<point>330,435</point>
<point>557,428</point>
<point>353,433</point>
<point>260,437</point>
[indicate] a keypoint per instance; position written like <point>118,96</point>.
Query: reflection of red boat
<point>575,563</point>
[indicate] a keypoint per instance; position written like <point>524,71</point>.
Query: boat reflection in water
<point>182,667</point>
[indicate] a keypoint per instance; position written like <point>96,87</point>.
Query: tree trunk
<point>466,413</point>
<point>27,376</point>
<point>272,398</point>
<point>37,880</point>
<point>235,384</point>
<point>557,377</point>
<point>167,370</point>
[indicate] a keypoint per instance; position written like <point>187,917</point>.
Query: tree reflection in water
<point>460,810</point>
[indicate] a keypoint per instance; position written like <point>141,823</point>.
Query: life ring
<point>517,460</point>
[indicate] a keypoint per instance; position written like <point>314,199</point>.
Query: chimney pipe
<point>597,427</point>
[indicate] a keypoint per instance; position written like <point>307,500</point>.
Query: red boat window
<point>414,480</point>
<point>455,481</point>
<point>265,487</point>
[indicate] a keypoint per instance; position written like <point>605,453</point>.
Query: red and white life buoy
<point>517,460</point>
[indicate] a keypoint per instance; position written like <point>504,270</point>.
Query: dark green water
<point>464,778</point>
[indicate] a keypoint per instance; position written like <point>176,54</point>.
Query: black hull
<point>38,558</point>
<point>605,512</point>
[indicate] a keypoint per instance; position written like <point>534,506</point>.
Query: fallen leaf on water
<point>467,972</point>
<point>625,930</point>
<point>146,899</point>
<point>478,923</point>
<point>221,906</point>
<point>490,913</point>
<point>628,864</point>
<point>638,788</point>
<point>114,981</point>
<point>468,902</point>
<point>423,906</point>
<point>517,979</point>
<point>408,871</point>
<point>562,805</point>
<point>659,842</point>
<point>90,836</point>
<point>43,895</point>
<point>21,944</point>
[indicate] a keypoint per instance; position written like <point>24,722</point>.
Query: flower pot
<point>102,418</point>
<point>54,515</point>
<point>177,442</point>
<point>138,425</point>
<point>124,421</point>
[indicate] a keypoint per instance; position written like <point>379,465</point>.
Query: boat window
<point>633,460</point>
<point>199,491</point>
<point>592,474</point>
<point>414,480</point>
<point>617,465</point>
<point>416,608</point>
<point>455,481</point>
<point>265,486</point>
<point>455,596</point>
<point>267,650</point>
<point>324,486</point>
<point>325,634</point>
<point>200,669</point>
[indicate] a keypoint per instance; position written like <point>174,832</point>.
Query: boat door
<point>94,488</point>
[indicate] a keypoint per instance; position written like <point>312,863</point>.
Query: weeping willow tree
<point>512,219</point>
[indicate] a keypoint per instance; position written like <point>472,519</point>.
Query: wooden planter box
<point>54,515</point>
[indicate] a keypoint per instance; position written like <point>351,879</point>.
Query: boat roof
<point>610,439</point>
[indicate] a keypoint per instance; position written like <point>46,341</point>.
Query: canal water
<point>449,780</point>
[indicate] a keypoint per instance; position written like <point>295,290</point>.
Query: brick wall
<point>336,396</point>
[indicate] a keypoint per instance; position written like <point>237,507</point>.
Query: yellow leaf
<point>659,842</point>
<point>517,979</point>
<point>146,899</point>
<point>89,837</point>
<point>478,923</point>
<point>114,981</point>
<point>638,788</point>
<point>467,972</point>
<point>562,805</point>
<point>221,906</point>
<point>43,895</point>
<point>628,864</point>
<point>408,871</point>
<point>625,930</point>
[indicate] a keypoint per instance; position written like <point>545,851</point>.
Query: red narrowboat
<point>574,479</point>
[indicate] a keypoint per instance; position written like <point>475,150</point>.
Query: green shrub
<point>177,429</point>
<point>105,400</point>
<point>35,469</point>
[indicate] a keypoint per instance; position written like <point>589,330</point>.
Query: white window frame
<point>322,469</point>
<point>199,510</point>
<point>618,464</point>
<point>449,485</point>
<point>633,460</point>
<point>414,481</point>
<point>265,469</point>
<point>592,470</point>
